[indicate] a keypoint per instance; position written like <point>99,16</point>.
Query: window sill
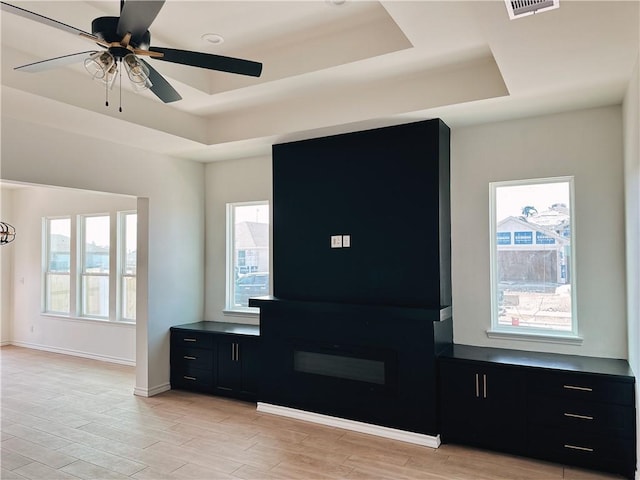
<point>88,319</point>
<point>567,339</point>
<point>241,313</point>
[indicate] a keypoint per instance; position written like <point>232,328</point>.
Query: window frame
<point>229,303</point>
<point>121,252</point>
<point>46,270</point>
<point>81,252</point>
<point>523,332</point>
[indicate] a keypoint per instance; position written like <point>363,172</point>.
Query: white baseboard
<point>76,353</point>
<point>386,432</point>
<point>4,344</point>
<point>150,392</point>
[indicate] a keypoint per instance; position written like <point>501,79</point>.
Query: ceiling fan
<point>125,40</point>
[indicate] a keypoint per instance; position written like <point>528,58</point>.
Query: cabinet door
<point>249,361</point>
<point>482,405</point>
<point>237,366</point>
<point>228,367</point>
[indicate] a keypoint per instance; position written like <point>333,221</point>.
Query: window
<point>532,258</point>
<point>57,265</point>
<point>247,253</point>
<point>86,272</point>
<point>94,274</point>
<point>127,265</point>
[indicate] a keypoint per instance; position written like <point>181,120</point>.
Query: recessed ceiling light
<point>212,39</point>
<point>337,2</point>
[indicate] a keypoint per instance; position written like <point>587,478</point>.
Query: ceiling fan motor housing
<point>106,28</point>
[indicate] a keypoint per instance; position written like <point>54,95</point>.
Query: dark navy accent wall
<point>388,189</point>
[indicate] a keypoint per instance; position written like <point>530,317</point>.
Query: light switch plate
<point>336,241</point>
<point>346,241</point>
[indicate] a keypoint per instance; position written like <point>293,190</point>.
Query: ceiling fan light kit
<point>102,67</point>
<point>125,39</point>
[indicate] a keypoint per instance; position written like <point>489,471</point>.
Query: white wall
<point>631,110</point>
<point>631,114</point>
<point>586,144</point>
<point>6,269</point>
<point>171,200</point>
<point>226,182</point>
<point>89,338</point>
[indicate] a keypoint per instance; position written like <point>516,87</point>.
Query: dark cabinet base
<point>566,409</point>
<point>215,357</point>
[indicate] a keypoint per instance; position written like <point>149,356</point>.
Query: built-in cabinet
<point>215,357</point>
<point>482,405</point>
<point>236,365</point>
<point>562,408</point>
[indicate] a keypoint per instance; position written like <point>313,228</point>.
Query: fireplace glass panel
<point>340,366</point>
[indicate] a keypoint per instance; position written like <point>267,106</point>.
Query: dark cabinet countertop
<point>220,327</point>
<point>551,361</point>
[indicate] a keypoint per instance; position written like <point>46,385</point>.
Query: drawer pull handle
<point>484,385</point>
<point>188,357</point>
<point>582,449</point>
<point>575,415</point>
<point>582,389</point>
<point>189,378</point>
<point>190,340</point>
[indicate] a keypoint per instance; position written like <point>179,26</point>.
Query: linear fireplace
<point>367,363</point>
<point>372,366</point>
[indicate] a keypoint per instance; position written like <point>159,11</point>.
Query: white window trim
<point>230,309</point>
<point>81,267</point>
<point>46,246</point>
<point>525,333</point>
<point>121,265</point>
<point>76,268</point>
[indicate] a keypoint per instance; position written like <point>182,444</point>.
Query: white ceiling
<point>327,69</point>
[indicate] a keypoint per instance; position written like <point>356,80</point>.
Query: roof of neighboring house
<point>506,224</point>
<point>252,235</point>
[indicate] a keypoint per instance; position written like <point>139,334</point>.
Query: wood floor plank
<point>37,453</point>
<point>38,471</point>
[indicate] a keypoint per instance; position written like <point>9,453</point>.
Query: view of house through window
<point>247,253</point>
<point>87,288</point>
<point>532,255</point>
<point>57,278</point>
<point>128,255</point>
<point>95,266</point>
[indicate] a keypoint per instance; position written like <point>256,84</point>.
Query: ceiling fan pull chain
<point>106,94</point>
<point>120,73</point>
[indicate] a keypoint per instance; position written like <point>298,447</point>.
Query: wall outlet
<point>336,241</point>
<point>346,241</point>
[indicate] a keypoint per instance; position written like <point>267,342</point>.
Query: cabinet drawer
<point>192,339</point>
<point>195,357</point>
<point>189,377</point>
<point>581,387</point>
<point>576,415</point>
<point>607,452</point>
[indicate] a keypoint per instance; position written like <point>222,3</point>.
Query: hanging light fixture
<point>7,233</point>
<point>107,65</point>
<point>137,71</point>
<point>102,66</point>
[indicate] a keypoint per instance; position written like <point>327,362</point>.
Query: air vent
<point>521,8</point>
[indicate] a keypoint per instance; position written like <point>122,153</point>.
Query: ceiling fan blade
<point>7,7</point>
<point>136,17</point>
<point>210,61</point>
<point>162,89</point>
<point>54,62</point>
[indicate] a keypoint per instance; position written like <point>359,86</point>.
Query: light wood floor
<point>69,417</point>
